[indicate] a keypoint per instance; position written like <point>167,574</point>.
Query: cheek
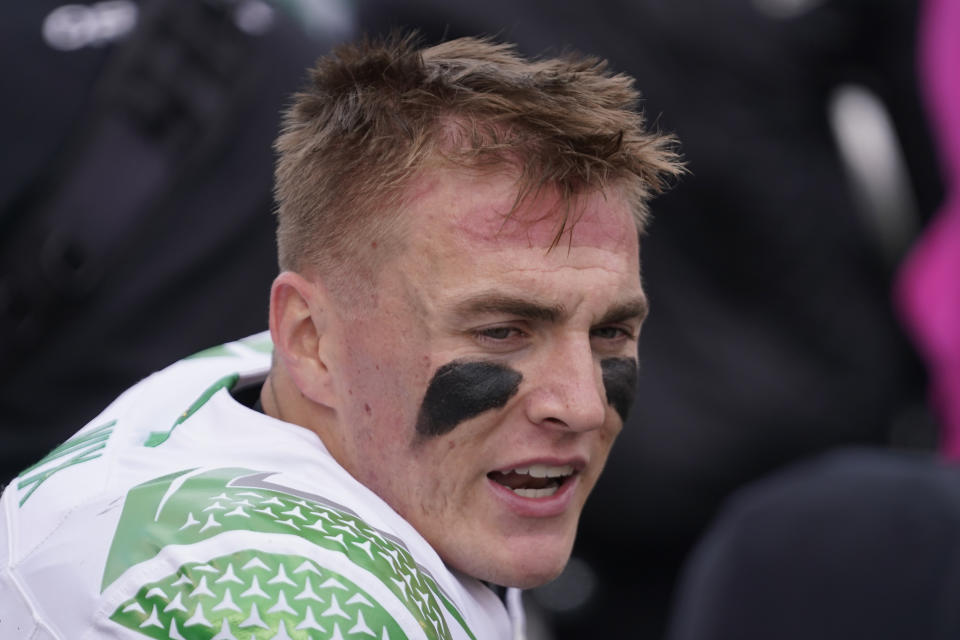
<point>620,383</point>
<point>381,383</point>
<point>462,390</point>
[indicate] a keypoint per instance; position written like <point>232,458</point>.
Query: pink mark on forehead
<point>474,209</point>
<point>594,220</point>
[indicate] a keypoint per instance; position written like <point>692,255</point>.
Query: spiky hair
<point>377,112</point>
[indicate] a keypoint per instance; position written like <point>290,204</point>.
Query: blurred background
<point>136,228</point>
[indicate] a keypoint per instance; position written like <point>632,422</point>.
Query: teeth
<point>535,493</point>
<point>544,471</point>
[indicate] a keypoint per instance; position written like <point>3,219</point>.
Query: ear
<point>299,315</point>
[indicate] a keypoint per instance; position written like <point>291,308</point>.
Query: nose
<point>568,388</point>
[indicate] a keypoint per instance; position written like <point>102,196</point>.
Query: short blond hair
<point>377,112</point>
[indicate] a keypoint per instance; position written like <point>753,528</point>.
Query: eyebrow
<point>498,303</point>
<point>637,308</point>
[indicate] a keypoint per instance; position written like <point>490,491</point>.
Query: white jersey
<point>180,514</point>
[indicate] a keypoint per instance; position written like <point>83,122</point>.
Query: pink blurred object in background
<point>928,287</point>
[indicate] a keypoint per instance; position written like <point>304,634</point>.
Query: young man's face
<point>486,378</point>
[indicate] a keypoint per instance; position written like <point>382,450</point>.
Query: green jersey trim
<point>85,447</point>
<point>157,438</point>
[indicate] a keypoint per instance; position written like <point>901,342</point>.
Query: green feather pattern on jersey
<point>256,595</point>
<point>186,508</point>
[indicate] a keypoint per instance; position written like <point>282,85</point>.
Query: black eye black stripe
<point>620,382</point>
<point>461,390</point>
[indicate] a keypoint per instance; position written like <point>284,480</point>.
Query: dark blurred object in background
<point>135,194</point>
<point>858,544</point>
<point>862,544</point>
<point>928,287</point>
<point>768,269</point>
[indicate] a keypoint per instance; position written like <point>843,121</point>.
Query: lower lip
<point>545,507</point>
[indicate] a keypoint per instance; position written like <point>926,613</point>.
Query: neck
<point>281,399</point>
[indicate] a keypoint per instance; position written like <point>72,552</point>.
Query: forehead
<point>467,207</point>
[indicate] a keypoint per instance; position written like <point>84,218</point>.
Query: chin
<point>513,568</point>
<point>535,557</point>
<point>531,567</point>
<point>523,557</point>
<point>531,580</point>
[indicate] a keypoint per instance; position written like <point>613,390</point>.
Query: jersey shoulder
<point>143,416</point>
<point>229,551</point>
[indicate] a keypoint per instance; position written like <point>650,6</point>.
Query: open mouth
<point>535,481</point>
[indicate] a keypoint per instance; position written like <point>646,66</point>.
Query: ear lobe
<point>298,318</point>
